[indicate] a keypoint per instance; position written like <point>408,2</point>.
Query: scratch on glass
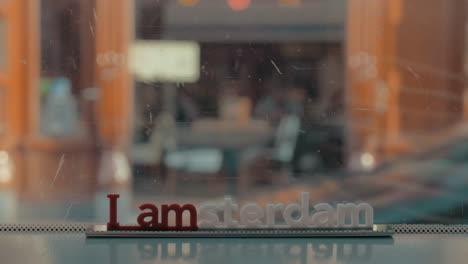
<point>62,160</point>
<point>68,212</point>
<point>94,13</point>
<point>276,67</point>
<point>91,29</point>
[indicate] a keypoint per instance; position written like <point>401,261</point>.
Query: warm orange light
<point>188,2</point>
<point>238,4</point>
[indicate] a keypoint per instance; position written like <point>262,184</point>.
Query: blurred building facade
<point>52,71</point>
<point>406,74</point>
<point>403,90</point>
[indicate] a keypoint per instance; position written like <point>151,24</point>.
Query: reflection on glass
<point>252,251</point>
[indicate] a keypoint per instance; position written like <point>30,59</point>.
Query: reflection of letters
<point>296,253</point>
<point>323,251</point>
<point>177,250</point>
<point>347,252</point>
<point>271,251</point>
<point>147,251</point>
<point>171,250</point>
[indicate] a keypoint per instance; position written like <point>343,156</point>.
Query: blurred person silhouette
<point>283,107</point>
<point>271,106</point>
<point>187,109</point>
<point>295,98</point>
<point>234,105</point>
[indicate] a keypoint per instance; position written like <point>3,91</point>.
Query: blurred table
<point>224,134</point>
<point>230,137</point>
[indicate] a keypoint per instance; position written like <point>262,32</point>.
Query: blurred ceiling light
<point>188,2</point>
<point>238,5</point>
<point>367,160</point>
<point>165,60</point>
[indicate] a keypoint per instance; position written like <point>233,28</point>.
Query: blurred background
<point>190,100</point>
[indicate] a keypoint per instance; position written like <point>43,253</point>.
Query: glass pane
<point>323,108</point>
<point>192,101</point>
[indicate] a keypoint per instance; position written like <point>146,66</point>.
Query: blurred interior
<point>191,100</point>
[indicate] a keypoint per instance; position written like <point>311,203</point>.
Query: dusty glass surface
<point>189,101</point>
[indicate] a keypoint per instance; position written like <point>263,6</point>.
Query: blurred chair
<point>285,139</point>
<point>162,148</point>
<point>278,157</point>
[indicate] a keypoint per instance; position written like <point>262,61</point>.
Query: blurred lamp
<point>238,5</point>
<point>367,161</point>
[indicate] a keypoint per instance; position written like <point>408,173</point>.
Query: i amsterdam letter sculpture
<point>344,220</point>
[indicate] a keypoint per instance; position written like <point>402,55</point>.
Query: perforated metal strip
<point>43,228</point>
<point>81,228</point>
<point>430,229</point>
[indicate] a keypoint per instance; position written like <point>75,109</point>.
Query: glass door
<point>13,63</point>
<point>11,68</point>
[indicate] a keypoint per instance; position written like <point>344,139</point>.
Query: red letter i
<point>113,224</point>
